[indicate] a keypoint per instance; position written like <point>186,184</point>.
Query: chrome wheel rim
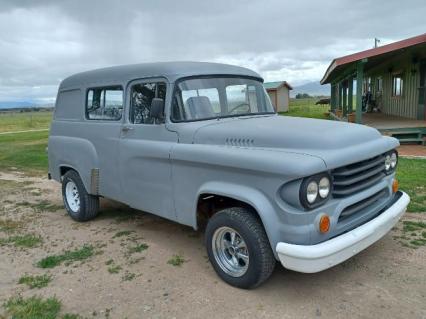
<point>230,251</point>
<point>72,196</point>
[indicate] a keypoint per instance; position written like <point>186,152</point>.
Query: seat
<point>200,107</point>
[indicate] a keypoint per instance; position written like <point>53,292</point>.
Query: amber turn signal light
<point>324,224</point>
<point>395,186</point>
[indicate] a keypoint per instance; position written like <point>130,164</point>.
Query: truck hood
<point>337,143</point>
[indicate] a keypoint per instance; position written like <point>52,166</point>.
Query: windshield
<point>208,98</point>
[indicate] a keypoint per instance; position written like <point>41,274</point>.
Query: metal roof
<point>170,70</point>
<point>276,85</point>
<point>338,63</point>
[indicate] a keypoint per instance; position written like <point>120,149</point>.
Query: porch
<point>405,129</point>
<point>389,80</point>
<point>385,122</point>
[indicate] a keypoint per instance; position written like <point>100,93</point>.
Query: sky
<point>42,42</point>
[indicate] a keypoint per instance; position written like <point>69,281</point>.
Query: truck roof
<point>170,70</point>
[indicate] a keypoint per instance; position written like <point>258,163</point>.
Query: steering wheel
<point>239,106</point>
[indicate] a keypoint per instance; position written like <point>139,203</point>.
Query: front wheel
<point>238,248</point>
<point>80,205</point>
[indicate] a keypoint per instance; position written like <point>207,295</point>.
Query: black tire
<point>89,204</point>
<point>248,225</point>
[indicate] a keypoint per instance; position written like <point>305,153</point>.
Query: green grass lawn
<point>24,152</point>
<point>11,121</point>
<point>307,108</point>
<point>411,175</point>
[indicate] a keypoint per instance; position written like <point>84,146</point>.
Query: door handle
<point>126,129</point>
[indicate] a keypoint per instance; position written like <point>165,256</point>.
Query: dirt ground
<point>387,280</point>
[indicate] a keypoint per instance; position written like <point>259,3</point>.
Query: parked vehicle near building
<point>200,144</point>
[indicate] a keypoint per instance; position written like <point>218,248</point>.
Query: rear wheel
<point>80,205</point>
<point>238,248</point>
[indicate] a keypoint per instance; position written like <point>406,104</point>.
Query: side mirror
<point>157,108</point>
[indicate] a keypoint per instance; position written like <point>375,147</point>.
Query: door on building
<point>422,91</point>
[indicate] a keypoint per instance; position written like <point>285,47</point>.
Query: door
<point>102,125</point>
<point>144,152</point>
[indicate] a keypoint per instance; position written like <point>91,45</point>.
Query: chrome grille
<point>359,206</point>
<point>350,179</point>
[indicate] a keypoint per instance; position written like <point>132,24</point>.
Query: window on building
<point>141,99</point>
<point>379,84</point>
<point>105,103</point>
<point>397,85</point>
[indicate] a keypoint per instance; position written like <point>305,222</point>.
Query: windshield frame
<point>210,76</point>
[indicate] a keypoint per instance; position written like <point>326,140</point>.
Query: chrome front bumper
<point>315,258</point>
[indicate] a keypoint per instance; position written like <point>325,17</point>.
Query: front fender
<point>250,196</point>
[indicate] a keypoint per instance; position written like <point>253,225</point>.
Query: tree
<point>302,96</point>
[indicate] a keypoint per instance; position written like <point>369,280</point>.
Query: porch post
<point>350,94</point>
<point>339,104</point>
<point>333,97</point>
<point>359,78</point>
<point>345,98</point>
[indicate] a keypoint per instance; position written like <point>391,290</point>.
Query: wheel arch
<point>234,195</point>
<point>65,154</point>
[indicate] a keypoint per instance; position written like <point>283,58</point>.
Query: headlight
<point>391,160</point>
<point>324,187</point>
<point>387,162</point>
<point>314,190</point>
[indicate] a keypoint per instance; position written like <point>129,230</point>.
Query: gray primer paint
<point>165,168</point>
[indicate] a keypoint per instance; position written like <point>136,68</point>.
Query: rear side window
<point>105,103</point>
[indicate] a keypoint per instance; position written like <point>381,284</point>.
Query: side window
<point>141,96</point>
<point>105,103</point>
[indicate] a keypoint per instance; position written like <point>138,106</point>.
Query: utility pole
<point>376,42</point>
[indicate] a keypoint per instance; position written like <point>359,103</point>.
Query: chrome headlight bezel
<point>307,185</point>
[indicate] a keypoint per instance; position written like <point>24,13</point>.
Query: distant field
<point>307,108</point>
<point>24,121</point>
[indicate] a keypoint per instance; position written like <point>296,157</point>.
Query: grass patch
<point>176,260</point>
<point>138,248</point>
<point>25,152</point>
<point>418,242</point>
<point>83,253</point>
<point>10,225</point>
<point>114,269</point>
<point>25,241</point>
<point>42,206</point>
<point>123,233</point>
<point>39,281</point>
<point>412,179</point>
<point>413,234</point>
<point>109,262</point>
<point>32,308</point>
<point>410,226</point>
<point>128,276</point>
<point>307,108</point>
<point>46,206</point>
